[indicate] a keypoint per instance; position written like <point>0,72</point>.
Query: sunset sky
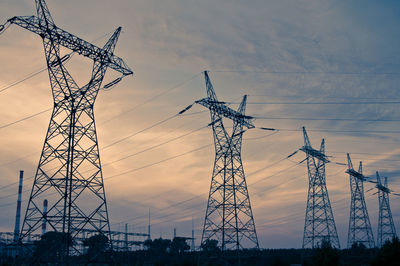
<point>331,66</point>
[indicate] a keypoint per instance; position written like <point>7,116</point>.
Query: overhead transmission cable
<point>120,140</point>
<point>125,112</point>
<point>25,118</point>
<point>203,194</point>
<point>320,103</point>
<point>343,131</point>
<point>309,72</point>
<point>325,119</point>
<point>138,132</point>
<point>156,146</point>
<point>323,96</point>
<point>153,98</point>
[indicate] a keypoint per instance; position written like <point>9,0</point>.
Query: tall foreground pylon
<point>360,231</point>
<point>386,229</point>
<point>319,222</point>
<point>229,218</point>
<point>69,173</point>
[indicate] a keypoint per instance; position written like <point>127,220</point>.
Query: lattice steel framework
<point>69,173</point>
<point>319,222</point>
<point>229,218</point>
<point>386,229</point>
<point>360,230</point>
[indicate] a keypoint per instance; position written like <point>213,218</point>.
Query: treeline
<point>50,250</point>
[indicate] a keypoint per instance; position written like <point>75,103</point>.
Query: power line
<point>140,131</point>
<point>22,80</point>
<point>154,97</point>
<point>190,208</point>
<point>324,97</point>
<point>326,119</point>
<point>16,160</point>
<point>343,131</point>
<point>321,103</point>
<point>125,112</point>
<point>203,194</point>
<point>275,174</point>
<point>120,140</point>
<point>161,161</point>
<point>25,118</point>
<point>310,72</point>
<point>156,146</point>
<point>367,153</point>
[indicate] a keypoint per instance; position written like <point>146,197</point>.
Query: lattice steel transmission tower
<point>386,229</point>
<point>319,222</point>
<point>360,231</point>
<point>69,173</point>
<point>229,218</point>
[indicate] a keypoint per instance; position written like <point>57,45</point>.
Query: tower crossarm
<point>356,174</point>
<point>70,41</point>
<point>383,188</point>
<point>222,109</point>
<point>315,153</point>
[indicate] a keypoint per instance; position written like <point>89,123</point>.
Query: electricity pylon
<point>319,223</point>
<point>360,231</point>
<point>386,229</point>
<point>69,173</point>
<point>229,218</point>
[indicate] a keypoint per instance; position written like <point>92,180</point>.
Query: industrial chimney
<point>44,217</point>
<point>18,215</point>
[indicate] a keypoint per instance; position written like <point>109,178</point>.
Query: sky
<point>290,57</point>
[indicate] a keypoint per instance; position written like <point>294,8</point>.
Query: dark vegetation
<point>49,251</point>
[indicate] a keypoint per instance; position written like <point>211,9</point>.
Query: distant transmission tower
<point>386,229</point>
<point>229,218</point>
<point>69,173</point>
<point>319,222</point>
<point>360,231</point>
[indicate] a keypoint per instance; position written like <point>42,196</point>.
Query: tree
<point>157,245</point>
<point>210,245</point>
<point>179,245</point>
<point>357,246</point>
<point>52,246</point>
<point>389,254</point>
<point>96,245</point>
<point>326,255</point>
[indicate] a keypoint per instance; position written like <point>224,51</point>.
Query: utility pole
<point>193,245</point>
<point>360,231</point>
<point>319,223</point>
<point>386,229</point>
<point>149,227</point>
<point>69,172</point>
<point>229,218</point>
<point>126,238</point>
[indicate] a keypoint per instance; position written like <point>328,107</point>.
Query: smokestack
<point>174,232</point>
<point>44,217</point>
<point>18,215</point>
